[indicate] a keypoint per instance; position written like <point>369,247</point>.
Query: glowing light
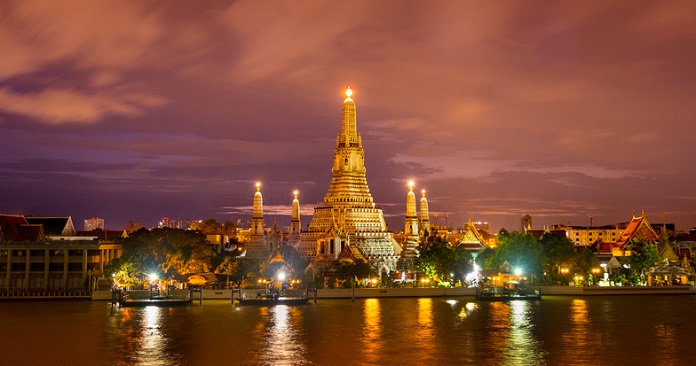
<point>153,277</point>
<point>258,186</point>
<point>349,92</point>
<point>518,271</point>
<point>411,183</point>
<point>295,192</point>
<point>281,276</point>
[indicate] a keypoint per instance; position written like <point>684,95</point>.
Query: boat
<point>510,291</point>
<point>154,302</point>
<point>272,301</point>
<point>124,298</point>
<point>271,298</point>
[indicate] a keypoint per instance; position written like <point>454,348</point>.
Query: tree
<point>585,260</point>
<point>173,250</point>
<point>440,260</point>
<point>133,269</point>
<point>643,256</point>
<point>350,273</point>
<point>212,227</point>
<point>483,256</point>
<point>522,251</point>
<point>238,269</point>
<point>559,253</point>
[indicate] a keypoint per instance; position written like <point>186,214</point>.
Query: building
<point>33,263</point>
<point>348,217</point>
<point>58,227</point>
<point>257,247</point>
<point>410,238</point>
<point>94,223</point>
<point>586,236</point>
<point>637,229</point>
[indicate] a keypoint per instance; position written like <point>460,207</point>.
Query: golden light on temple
<point>423,192</point>
<point>349,92</point>
<point>411,184</point>
<point>258,186</point>
<point>295,193</point>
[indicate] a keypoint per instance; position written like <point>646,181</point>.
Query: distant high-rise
<point>348,218</point>
<point>94,223</point>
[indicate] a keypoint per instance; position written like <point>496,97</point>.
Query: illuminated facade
<point>348,217</point>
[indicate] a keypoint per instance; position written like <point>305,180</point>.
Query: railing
<point>40,293</point>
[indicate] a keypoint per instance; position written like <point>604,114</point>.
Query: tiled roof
<point>51,225</point>
<point>638,228</point>
<point>16,228</point>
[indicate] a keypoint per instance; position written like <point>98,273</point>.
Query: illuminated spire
<point>410,228</point>
<point>424,215</point>
<point>349,129</point>
<point>257,215</point>
<point>411,201</point>
<point>295,224</point>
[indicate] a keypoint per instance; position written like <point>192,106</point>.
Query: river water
<point>612,330</point>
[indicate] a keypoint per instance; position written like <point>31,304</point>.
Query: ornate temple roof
<point>638,228</point>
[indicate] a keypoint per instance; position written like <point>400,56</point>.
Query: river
<point>596,330</point>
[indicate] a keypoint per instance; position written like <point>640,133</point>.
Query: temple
<point>348,217</point>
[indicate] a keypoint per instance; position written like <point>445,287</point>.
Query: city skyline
<point>134,111</point>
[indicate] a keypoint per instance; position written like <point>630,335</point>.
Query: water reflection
<point>425,339</point>
<point>522,344</point>
<point>281,344</point>
<point>511,334</point>
<point>145,341</point>
<point>578,337</point>
<point>372,341</point>
<point>665,341</point>
<point>498,329</point>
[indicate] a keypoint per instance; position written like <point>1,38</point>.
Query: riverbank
<point>347,293</point>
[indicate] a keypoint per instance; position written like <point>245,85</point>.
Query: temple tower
<point>295,224</point>
<point>348,215</point>
<point>424,216</point>
<point>257,247</point>
<point>410,230</point>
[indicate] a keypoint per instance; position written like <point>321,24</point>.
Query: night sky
<point>137,110</point>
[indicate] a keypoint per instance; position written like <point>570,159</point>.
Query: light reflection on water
<point>405,331</point>
<point>146,343</point>
<point>372,335</point>
<point>425,338</point>
<point>281,345</point>
<point>522,343</point>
